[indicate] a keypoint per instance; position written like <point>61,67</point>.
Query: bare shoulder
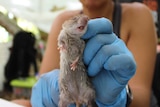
<point>136,17</point>
<point>136,13</point>
<point>135,9</point>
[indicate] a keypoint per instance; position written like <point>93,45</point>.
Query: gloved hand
<point>45,93</point>
<point>109,62</point>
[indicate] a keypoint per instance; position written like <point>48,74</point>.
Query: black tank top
<point>116,21</point>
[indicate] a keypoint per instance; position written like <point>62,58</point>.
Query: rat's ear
<point>65,24</point>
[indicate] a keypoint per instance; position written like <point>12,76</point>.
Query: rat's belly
<point>73,81</point>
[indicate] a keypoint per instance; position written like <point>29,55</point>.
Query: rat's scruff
<point>75,86</point>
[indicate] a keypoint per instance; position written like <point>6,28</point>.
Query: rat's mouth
<point>81,27</point>
<point>82,23</point>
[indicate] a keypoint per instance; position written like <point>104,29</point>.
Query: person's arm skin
<point>23,102</point>
<point>142,43</point>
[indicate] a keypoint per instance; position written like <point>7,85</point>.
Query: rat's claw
<point>61,47</point>
<point>58,48</point>
<point>73,66</point>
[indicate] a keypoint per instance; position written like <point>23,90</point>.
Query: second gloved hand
<point>45,93</point>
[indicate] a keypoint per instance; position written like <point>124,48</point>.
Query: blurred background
<point>24,27</point>
<point>24,22</point>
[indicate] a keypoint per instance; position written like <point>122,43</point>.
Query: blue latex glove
<point>45,93</point>
<point>109,62</point>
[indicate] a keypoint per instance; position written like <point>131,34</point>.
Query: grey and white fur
<point>75,86</point>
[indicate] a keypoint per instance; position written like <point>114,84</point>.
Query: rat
<point>75,86</point>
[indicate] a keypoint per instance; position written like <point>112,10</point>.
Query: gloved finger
<point>54,86</point>
<point>98,26</point>
<point>106,87</point>
<point>121,66</point>
<point>46,91</point>
<point>101,57</point>
<point>94,45</point>
<point>37,95</point>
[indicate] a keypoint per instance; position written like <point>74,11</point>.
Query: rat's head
<point>77,25</point>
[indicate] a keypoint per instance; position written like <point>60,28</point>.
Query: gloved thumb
<point>98,26</point>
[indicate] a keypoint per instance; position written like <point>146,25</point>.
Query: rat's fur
<point>74,83</point>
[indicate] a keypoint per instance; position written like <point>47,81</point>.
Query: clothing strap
<point>117,19</point>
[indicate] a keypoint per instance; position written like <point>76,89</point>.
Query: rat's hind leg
<point>63,103</point>
<point>78,104</point>
<point>88,97</point>
<point>64,100</point>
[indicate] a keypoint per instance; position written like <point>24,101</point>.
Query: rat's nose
<point>86,17</point>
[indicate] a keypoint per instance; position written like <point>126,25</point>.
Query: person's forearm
<point>23,102</point>
<point>141,98</point>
